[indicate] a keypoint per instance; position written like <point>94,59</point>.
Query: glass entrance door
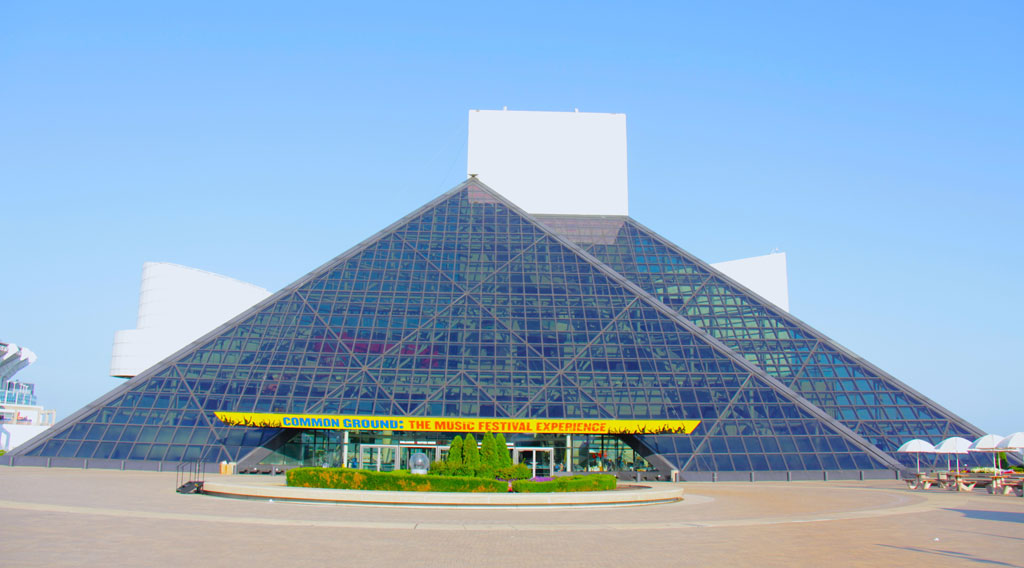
<point>407,450</point>
<point>539,460</point>
<point>379,457</point>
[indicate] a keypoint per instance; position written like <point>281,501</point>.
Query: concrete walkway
<point>66,517</point>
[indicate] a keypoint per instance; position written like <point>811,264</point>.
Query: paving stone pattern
<point>70,517</point>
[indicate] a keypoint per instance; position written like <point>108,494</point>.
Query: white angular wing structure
<point>177,304</point>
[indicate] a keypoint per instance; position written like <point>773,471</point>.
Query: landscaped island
<point>345,478</point>
<point>487,469</point>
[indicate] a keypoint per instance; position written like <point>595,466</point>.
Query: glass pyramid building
<point>866,399</point>
<point>469,307</point>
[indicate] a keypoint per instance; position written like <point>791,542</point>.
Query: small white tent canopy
<point>918,447</point>
<point>987,443</point>
<point>954,445</point>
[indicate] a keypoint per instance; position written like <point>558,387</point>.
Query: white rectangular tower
<point>552,162</point>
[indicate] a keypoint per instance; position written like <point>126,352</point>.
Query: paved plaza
<point>71,517</point>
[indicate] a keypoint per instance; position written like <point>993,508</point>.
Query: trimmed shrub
<point>470,455</point>
<point>598,482</point>
<point>455,459</point>
<point>455,452</point>
<point>501,449</point>
<point>438,468</point>
<point>485,472</point>
<point>512,472</point>
<point>344,478</point>
<point>488,457</point>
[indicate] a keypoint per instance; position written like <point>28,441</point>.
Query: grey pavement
<point>71,517</point>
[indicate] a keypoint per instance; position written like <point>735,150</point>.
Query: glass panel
<point>760,331</point>
<point>470,308</point>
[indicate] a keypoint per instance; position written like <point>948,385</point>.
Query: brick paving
<point>68,517</point>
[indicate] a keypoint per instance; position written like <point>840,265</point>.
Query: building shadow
<point>990,535</point>
<point>1005,517</point>
<point>961,556</point>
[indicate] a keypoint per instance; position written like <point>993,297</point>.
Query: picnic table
<point>924,481</point>
<point>963,481</point>
<point>1004,483</point>
<point>1007,484</point>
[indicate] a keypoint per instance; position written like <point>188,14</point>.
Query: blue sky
<point>880,146</point>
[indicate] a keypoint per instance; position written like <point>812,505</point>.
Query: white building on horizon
<point>21,416</point>
<point>564,163</point>
<point>177,305</point>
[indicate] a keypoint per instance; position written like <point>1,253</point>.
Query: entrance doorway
<point>545,454</point>
<point>379,457</point>
<point>406,451</point>
<point>392,457</point>
<point>540,460</point>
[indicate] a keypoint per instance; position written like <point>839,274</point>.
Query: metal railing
<point>189,477</point>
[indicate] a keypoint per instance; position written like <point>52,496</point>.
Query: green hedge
<point>598,482</point>
<point>344,478</point>
<point>513,472</point>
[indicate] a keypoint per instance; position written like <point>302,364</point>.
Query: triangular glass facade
<point>466,307</point>
<point>873,404</point>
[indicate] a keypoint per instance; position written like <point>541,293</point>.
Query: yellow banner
<point>428,424</point>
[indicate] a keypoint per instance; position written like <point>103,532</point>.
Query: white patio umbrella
<point>1014,441</point>
<point>987,443</point>
<point>918,447</point>
<point>955,445</point>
